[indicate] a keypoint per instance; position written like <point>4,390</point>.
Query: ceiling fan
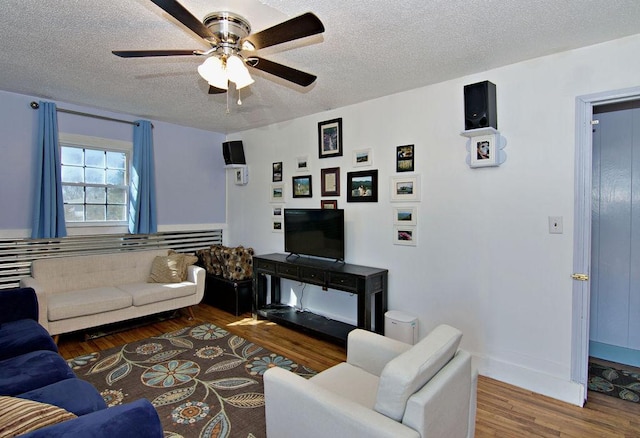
<point>232,45</point>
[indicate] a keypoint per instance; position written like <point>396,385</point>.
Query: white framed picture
<point>362,157</point>
<point>277,193</point>
<point>482,151</point>
<point>405,216</point>
<point>302,164</point>
<point>277,211</point>
<point>405,188</point>
<point>405,235</point>
<point>277,225</point>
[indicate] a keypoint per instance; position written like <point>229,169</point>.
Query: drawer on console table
<point>312,275</point>
<point>287,270</point>
<point>267,266</point>
<point>342,281</point>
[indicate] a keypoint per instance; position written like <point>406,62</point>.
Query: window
<point>95,180</point>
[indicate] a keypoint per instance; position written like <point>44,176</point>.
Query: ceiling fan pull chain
<point>228,112</point>
<point>239,99</point>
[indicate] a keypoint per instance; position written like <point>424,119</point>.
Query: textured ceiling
<point>61,50</point>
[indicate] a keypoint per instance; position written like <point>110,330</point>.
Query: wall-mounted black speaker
<point>480,106</point>
<point>233,152</point>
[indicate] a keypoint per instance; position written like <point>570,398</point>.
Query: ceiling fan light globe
<point>213,72</point>
<point>242,81</point>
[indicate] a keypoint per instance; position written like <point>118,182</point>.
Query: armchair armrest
<point>371,351</point>
<point>296,407</point>
<point>19,303</point>
<point>138,418</point>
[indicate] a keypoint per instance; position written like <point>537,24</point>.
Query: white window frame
<point>103,144</point>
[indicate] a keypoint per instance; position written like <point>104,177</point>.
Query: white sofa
<point>79,292</point>
<point>385,389</point>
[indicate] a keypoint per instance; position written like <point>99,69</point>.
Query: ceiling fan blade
<point>177,11</point>
<point>299,27</point>
<point>282,71</point>
<point>143,53</point>
<point>216,90</point>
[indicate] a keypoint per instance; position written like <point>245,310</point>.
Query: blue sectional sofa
<point>40,392</point>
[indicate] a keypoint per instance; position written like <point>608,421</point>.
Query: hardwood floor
<point>503,410</point>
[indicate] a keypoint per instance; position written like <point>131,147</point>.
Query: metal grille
<point>17,254</point>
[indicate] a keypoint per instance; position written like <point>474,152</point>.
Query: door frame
<point>582,227</point>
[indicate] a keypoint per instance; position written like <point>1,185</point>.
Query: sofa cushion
<point>166,269</point>
<point>18,416</point>
<point>186,260</point>
<point>74,395</point>
<point>23,336</point>
<point>31,371</point>
<point>411,370</point>
<point>350,382</point>
<point>148,293</point>
<point>86,302</point>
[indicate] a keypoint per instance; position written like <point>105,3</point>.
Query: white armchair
<point>385,389</point>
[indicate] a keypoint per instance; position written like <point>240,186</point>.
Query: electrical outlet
<point>555,224</point>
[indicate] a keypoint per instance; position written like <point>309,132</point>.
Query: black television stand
<point>369,284</point>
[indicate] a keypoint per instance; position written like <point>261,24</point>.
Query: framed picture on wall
<point>302,164</point>
<point>362,157</point>
<point>362,186</point>
<point>405,235</point>
<point>329,203</point>
<point>404,158</point>
<point>276,172</point>
<point>330,138</point>
<point>277,225</point>
<point>405,188</point>
<point>405,215</point>
<point>302,186</point>
<point>330,181</point>
<point>277,193</point>
<point>482,151</point>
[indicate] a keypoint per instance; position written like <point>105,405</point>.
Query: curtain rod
<point>36,105</point>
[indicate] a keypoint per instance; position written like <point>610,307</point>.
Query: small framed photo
<point>405,188</point>
<point>405,216</point>
<point>302,186</point>
<point>404,158</point>
<point>330,181</point>
<point>276,173</point>
<point>483,151</point>
<point>277,225</point>
<point>330,138</point>
<point>277,211</point>
<point>302,164</point>
<point>405,235</point>
<point>362,186</point>
<point>277,193</point>
<point>362,157</point>
<point>329,203</point>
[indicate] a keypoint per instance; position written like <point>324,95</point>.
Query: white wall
<point>485,261</point>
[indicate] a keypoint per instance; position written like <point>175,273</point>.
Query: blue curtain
<point>142,193</point>
<point>48,212</point>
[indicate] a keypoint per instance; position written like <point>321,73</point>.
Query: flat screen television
<point>315,232</point>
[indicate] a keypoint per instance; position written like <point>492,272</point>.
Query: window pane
<point>116,212</point>
<point>94,158</point>
<point>74,213</point>
<point>73,194</point>
<point>115,160</point>
<point>96,195</point>
<point>72,174</point>
<point>71,155</point>
<point>116,196</point>
<point>115,177</point>
<point>94,176</point>
<point>96,213</point>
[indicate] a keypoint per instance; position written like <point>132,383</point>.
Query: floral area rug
<point>616,383</point>
<point>203,381</point>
